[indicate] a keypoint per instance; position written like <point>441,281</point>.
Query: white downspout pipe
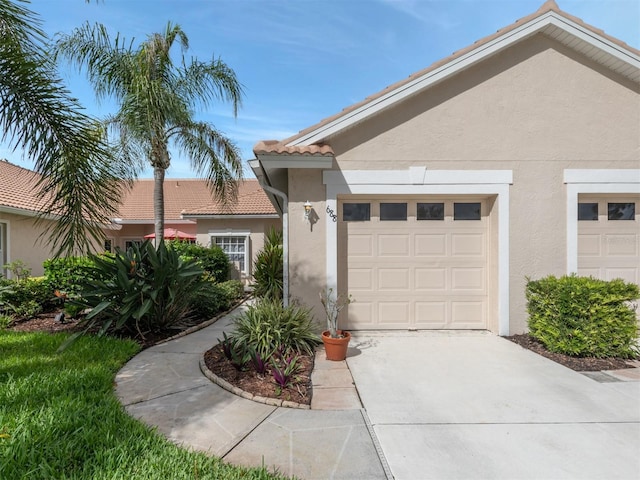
<point>285,241</point>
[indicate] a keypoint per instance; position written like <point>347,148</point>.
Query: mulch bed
<point>579,364</point>
<point>298,391</point>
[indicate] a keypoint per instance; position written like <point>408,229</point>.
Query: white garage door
<point>419,263</point>
<point>609,238</point>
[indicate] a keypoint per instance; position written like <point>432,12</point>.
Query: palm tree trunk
<point>158,203</point>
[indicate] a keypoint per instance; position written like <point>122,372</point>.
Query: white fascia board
<point>592,38</point>
<point>23,212</point>
<point>417,176</point>
<point>230,217</point>
<point>630,175</point>
<point>295,161</point>
<point>460,63</point>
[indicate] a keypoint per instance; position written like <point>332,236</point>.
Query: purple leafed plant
<point>259,364</point>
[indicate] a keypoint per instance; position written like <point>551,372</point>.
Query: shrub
<point>210,300</point>
<point>583,316</point>
<point>141,290</point>
<point>26,298</point>
<point>268,326</point>
<point>233,288</point>
<point>268,267</point>
<point>67,273</point>
<point>212,259</point>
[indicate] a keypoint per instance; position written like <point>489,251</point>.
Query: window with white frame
<point>235,245</point>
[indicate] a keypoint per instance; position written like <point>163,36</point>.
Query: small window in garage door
<point>356,212</point>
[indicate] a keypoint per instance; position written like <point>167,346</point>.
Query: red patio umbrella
<point>173,234</point>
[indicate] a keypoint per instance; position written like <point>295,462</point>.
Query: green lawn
<point>59,418</point>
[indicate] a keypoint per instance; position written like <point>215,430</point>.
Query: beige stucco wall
<point>28,241</point>
<point>536,109</point>
<point>307,257</point>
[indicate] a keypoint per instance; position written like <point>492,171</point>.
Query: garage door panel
<point>467,245</point>
<point>430,245</point>
<point>393,245</point>
<point>467,313</point>
<point>621,245</point>
<point>360,315</point>
<point>589,245</point>
<point>430,314</point>
<point>472,279</point>
<point>394,313</point>
<point>629,274</point>
<point>360,245</point>
<point>434,279</point>
<point>361,279</point>
<point>393,279</point>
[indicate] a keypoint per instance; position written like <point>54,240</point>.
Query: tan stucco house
<point>433,200</point>
<point>238,228</point>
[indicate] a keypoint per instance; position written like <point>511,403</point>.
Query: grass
<point>59,417</point>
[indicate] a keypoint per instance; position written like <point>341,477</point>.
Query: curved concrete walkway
<point>164,387</point>
<point>443,405</point>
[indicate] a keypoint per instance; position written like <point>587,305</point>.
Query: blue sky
<point>303,60</point>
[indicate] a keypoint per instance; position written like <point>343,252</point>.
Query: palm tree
<point>79,183</point>
<point>157,98</point>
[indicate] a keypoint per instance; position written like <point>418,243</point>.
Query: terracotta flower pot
<point>336,348</point>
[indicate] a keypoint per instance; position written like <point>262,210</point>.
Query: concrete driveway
<point>450,405</point>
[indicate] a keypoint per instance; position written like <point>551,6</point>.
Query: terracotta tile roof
<point>251,200</point>
<point>191,195</point>
<point>18,187</point>
<point>275,146</point>
<point>550,5</point>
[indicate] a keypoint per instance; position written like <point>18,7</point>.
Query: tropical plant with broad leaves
<point>268,267</point>
<point>268,326</point>
<point>80,184</point>
<point>157,94</point>
<point>140,290</point>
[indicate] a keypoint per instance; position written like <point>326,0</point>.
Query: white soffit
<point>565,31</point>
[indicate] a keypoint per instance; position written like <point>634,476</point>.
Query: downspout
<point>285,241</point>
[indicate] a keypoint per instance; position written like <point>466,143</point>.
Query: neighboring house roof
<point>18,193</point>
<point>251,201</point>
<point>193,197</point>
<point>548,20</point>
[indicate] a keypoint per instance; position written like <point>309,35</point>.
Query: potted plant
<point>336,341</point>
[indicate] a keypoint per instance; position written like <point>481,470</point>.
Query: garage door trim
<point>596,181</point>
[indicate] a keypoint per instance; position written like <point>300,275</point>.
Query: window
<point>430,211</point>
<point>108,245</point>
<point>587,211</point>
<point>356,212</point>
<point>621,211</point>
<point>393,212</point>
<point>466,211</point>
<point>235,247</point>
